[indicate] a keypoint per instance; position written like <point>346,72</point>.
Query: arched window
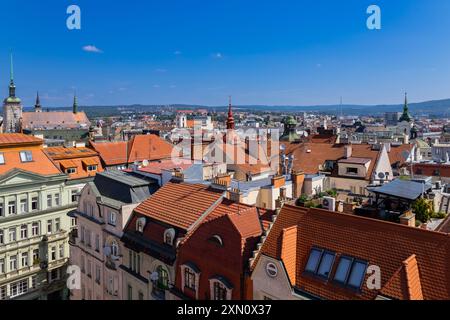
<point>169,235</point>
<point>163,278</point>
<point>140,224</point>
<point>220,288</point>
<point>217,240</point>
<point>114,248</point>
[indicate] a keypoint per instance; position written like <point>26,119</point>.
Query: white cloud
<point>92,48</point>
<point>218,55</point>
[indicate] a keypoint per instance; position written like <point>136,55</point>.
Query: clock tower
<point>12,107</point>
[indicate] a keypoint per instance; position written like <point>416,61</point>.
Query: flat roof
<point>404,189</point>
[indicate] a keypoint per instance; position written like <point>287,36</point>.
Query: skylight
<point>320,262</point>
<point>350,272</point>
<point>2,158</point>
<point>26,156</point>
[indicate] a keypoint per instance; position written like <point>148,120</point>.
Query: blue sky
<point>290,52</point>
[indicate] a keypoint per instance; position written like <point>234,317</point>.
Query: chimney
<point>278,181</point>
<point>178,176</point>
<point>405,138</point>
<point>408,219</point>
<point>388,146</point>
<point>348,151</point>
<point>298,178</point>
<point>289,252</point>
<point>236,195</point>
<point>223,181</point>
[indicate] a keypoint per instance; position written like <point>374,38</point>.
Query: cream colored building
<point>34,226</point>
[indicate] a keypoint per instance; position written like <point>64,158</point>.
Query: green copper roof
<point>12,100</point>
<point>290,121</point>
<point>405,116</point>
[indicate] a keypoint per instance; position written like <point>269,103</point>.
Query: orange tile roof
<point>387,245</point>
<point>78,158</point>
<point>140,147</point>
<point>12,144</point>
<point>396,155</point>
<point>158,167</point>
<point>309,156</point>
<point>179,204</point>
<point>64,119</point>
<point>8,139</point>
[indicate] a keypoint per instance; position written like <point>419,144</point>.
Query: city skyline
<point>296,53</point>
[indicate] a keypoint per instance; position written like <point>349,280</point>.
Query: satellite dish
<point>145,163</point>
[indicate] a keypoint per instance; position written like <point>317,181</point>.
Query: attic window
<point>26,156</point>
<point>217,240</point>
<point>140,223</point>
<point>2,158</point>
<point>350,272</point>
<point>320,262</point>
<point>169,235</point>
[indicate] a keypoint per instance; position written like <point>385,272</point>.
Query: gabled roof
<point>180,204</point>
<point>387,245</point>
<point>140,147</point>
<point>55,119</point>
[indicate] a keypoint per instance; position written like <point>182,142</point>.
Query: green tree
<point>423,209</point>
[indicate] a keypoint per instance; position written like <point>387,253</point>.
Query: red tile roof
<point>140,147</point>
<point>387,245</point>
<point>179,204</point>
<point>8,139</point>
<point>159,166</point>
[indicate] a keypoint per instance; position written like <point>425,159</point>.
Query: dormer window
<point>26,156</point>
<point>140,224</point>
<point>92,168</point>
<point>217,240</point>
<point>169,235</point>
<point>2,158</point>
<point>71,170</point>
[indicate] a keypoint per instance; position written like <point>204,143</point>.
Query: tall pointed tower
<point>405,116</point>
<point>75,104</point>
<point>12,106</point>
<point>37,105</point>
<point>230,119</point>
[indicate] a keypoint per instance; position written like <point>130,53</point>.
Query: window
<point>112,218</point>
<point>35,229</point>
<point>320,262</point>
<point>350,272</point>
<point>3,293</point>
<point>53,275</point>
<point>49,201</point>
<point>114,249</point>
<point>163,278</point>
<point>97,274</point>
<point>189,278</point>
<point>12,207</point>
<point>61,251</point>
<point>2,158</point>
<point>91,168</point>
<point>73,195</point>
<point>83,270</point>
<point>18,288</point>
<point>57,224</point>
<point>271,270</point>
<point>71,170</point>
<point>34,203</point>
<point>130,292</point>
<point>217,240</point>
<point>2,266</point>
<point>24,231</point>
<point>82,234</point>
<point>2,212</point>
<point>24,259</point>
<point>169,234</point>
<point>49,226</point>
<point>89,268</point>
<point>34,282</point>
<point>12,263</point>
<point>97,243</point>
<point>23,205</point>
<point>57,199</point>
<point>53,253</point>
<point>135,262</point>
<point>35,256</point>
<point>12,234</point>
<point>141,295</point>
<point>220,292</point>
<point>26,156</point>
<point>352,170</point>
<point>2,237</point>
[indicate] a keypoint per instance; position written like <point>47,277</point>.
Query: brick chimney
<point>278,181</point>
<point>408,219</point>
<point>236,195</point>
<point>298,178</point>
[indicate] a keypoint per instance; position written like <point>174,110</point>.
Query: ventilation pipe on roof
<point>348,151</point>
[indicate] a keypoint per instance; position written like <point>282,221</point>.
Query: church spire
<point>230,119</point>
<point>75,104</point>
<point>12,87</point>
<point>405,116</point>
<point>37,106</point>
